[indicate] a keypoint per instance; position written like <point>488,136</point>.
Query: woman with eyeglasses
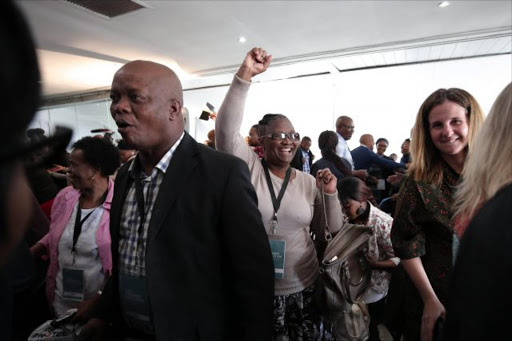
<point>290,203</point>
<point>355,199</point>
<point>423,232</point>
<point>78,243</point>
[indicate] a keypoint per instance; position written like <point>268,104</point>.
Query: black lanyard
<point>78,227</point>
<point>79,222</point>
<point>139,194</point>
<point>276,202</point>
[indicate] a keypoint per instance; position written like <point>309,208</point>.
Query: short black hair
<point>100,154</point>
<point>382,139</point>
<point>306,138</point>
<point>123,145</point>
<point>408,140</point>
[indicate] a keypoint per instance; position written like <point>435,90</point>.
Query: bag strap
<point>328,234</point>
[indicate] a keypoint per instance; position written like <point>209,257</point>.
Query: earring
<point>360,210</point>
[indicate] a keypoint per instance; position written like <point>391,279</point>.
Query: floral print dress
<point>423,228</point>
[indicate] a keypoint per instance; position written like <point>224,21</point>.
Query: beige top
<point>301,206</point>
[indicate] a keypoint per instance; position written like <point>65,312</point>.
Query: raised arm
<point>386,163</point>
<point>230,115</point>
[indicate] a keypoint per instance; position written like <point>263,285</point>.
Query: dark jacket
<point>363,158</point>
<point>209,267</point>
<point>297,160</point>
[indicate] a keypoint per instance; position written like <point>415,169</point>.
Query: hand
<point>360,173</point>
<point>256,61</point>
<point>433,309</point>
<point>395,178</point>
<point>85,309</point>
<point>372,261</point>
<point>329,180</point>
<point>58,168</point>
<point>93,330</point>
<point>371,180</point>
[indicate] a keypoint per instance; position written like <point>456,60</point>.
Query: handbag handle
<point>346,282</point>
<point>328,234</point>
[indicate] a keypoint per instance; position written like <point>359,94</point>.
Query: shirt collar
<point>341,137</point>
<point>162,165</point>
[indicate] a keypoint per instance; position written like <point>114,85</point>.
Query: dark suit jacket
<point>297,160</point>
<point>363,158</point>
<point>209,267</point>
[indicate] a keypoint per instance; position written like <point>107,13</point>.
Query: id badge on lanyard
<point>135,302</point>
<point>278,249</point>
<point>73,284</point>
<point>277,243</point>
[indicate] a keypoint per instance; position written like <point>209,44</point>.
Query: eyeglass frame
<point>283,136</point>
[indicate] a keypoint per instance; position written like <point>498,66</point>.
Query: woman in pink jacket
<point>78,243</point>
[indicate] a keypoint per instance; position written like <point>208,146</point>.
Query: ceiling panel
<point>200,38</point>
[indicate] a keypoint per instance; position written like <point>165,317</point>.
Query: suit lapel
<point>182,163</point>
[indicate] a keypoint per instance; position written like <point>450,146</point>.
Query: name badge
<point>381,184</point>
<point>278,248</point>
<point>73,284</point>
<point>135,302</point>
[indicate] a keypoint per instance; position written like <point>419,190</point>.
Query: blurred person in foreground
<point>422,233</point>
<point>484,262</point>
<point>20,94</point>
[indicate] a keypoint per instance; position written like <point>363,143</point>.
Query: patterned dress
<point>423,228</point>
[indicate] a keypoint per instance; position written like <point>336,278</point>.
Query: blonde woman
<point>422,232</point>
<point>484,262</point>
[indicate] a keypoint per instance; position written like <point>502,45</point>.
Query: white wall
<point>382,102</point>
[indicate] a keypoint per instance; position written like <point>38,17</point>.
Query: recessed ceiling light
<point>444,4</point>
<point>242,40</point>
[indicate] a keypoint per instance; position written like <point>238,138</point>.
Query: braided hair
<point>327,142</point>
<point>264,123</point>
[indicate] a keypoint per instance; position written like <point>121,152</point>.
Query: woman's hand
<point>325,176</point>
<point>256,61</point>
<point>85,309</point>
<point>433,309</point>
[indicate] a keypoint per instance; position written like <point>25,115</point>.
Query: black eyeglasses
<point>283,136</point>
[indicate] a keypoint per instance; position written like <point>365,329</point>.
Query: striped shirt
<point>132,247</point>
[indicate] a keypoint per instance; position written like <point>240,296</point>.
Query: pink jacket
<point>62,209</point>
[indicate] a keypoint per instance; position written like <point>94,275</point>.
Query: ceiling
<point>80,51</point>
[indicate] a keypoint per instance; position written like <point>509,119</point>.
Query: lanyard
<point>78,228</point>
<point>139,194</point>
<point>79,222</point>
<point>276,202</point>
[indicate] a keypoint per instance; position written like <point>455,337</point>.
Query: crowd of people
<point>164,238</point>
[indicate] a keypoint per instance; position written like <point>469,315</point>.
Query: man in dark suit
<point>364,156</point>
<point>191,259</point>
